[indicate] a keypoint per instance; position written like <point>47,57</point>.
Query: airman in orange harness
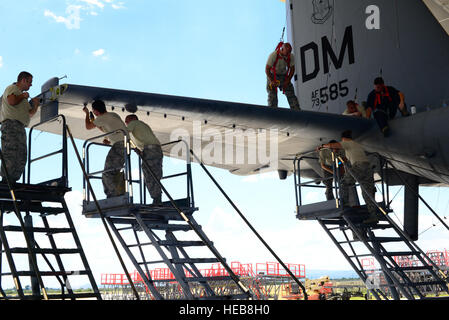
<point>280,69</point>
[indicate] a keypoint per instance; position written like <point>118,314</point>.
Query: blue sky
<point>197,48</point>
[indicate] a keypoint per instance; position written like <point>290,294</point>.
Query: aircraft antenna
<point>282,36</point>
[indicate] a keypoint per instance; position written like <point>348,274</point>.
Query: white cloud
<point>118,6</point>
<point>1,61</point>
<point>98,53</point>
<point>73,19</point>
<point>272,175</point>
<point>97,3</point>
<point>50,14</point>
<point>77,7</point>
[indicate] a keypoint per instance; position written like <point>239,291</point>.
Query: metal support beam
<point>411,202</point>
<point>28,220</point>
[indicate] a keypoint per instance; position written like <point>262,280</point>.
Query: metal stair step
<point>400,253</point>
<point>51,273</point>
<point>361,255</point>
<point>184,261</point>
<point>8,205</point>
<point>194,260</point>
<point>139,245</point>
<point>350,241</point>
<point>213,278</point>
<point>413,268</point>
<point>170,243</point>
<point>197,279</point>
<point>426,283</point>
<point>184,243</point>
<point>38,229</point>
<point>381,226</point>
<point>45,251</point>
<point>33,192</point>
<point>386,239</point>
<point>333,222</point>
<point>168,227</point>
<point>52,296</point>
<point>437,298</point>
<point>51,211</point>
<point>226,297</point>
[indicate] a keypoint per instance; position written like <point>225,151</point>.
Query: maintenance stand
<point>46,245</point>
<point>384,241</point>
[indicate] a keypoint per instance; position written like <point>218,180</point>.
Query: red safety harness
<point>379,95</point>
<point>279,56</point>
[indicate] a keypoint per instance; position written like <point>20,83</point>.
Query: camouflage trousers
<point>14,148</point>
<point>113,179</point>
<point>364,174</point>
<point>152,155</point>
<point>328,181</point>
<point>289,93</point>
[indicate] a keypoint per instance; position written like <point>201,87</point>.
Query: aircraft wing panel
<point>219,132</point>
<point>440,10</point>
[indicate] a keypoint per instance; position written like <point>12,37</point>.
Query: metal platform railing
<point>131,181</point>
<point>338,170</point>
<point>63,179</point>
<point>93,175</point>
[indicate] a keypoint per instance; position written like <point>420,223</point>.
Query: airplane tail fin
<point>342,46</point>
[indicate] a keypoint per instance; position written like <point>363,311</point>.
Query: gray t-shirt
<point>354,152</point>
<point>108,122</point>
<point>326,156</point>
<point>281,65</point>
<point>142,135</point>
<point>20,112</point>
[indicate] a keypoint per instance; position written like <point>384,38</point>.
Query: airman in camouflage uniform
<point>364,173</point>
<point>112,178</point>
<point>281,66</point>
<point>150,147</point>
<point>14,148</point>
<point>326,162</point>
<point>361,168</point>
<point>16,113</point>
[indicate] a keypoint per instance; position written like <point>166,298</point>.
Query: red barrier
<point>215,270</point>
